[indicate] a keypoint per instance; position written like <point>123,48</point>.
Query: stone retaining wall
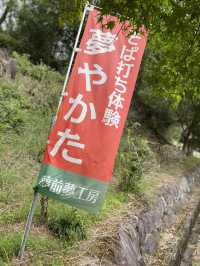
<point>191,229</point>
<point>140,234</point>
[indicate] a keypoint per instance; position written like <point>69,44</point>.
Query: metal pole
<point>87,7</point>
<point>28,226</point>
<point>36,194</point>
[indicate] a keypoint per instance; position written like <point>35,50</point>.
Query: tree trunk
<point>4,15</point>
<point>44,210</point>
<point>187,149</point>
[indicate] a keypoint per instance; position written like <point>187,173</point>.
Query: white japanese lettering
<point>100,42</point>
<point>111,118</point>
<point>121,84</point>
<point>115,100</point>
<point>125,68</point>
<point>75,102</point>
<point>98,71</point>
<point>63,136</point>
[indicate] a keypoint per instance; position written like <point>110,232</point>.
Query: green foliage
<point>188,113</point>
<point>22,104</point>
<point>113,200</point>
<point>45,30</point>
<point>168,90</point>
<point>40,93</point>
<point>9,245</point>
<point>12,106</point>
<point>33,98</point>
<point>8,41</point>
<point>70,12</point>
<point>8,8</point>
<point>169,16</point>
<point>134,151</point>
<point>191,162</point>
<point>173,134</point>
<point>40,72</point>
<point>157,111</point>
<point>170,70</point>
<point>38,30</point>
<point>70,228</point>
<point>169,77</point>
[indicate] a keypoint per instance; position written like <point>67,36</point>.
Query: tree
<point>156,15</point>
<point>7,6</point>
<point>38,31</point>
<point>170,76</point>
<point>170,71</point>
<point>188,113</point>
<point>45,31</point>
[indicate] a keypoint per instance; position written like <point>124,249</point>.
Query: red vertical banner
<point>83,143</point>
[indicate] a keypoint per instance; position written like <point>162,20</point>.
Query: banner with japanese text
<point>83,143</point>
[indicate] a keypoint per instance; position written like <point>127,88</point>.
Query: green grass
<point>38,245</point>
<point>9,245</point>
<point>30,102</point>
<point>191,162</point>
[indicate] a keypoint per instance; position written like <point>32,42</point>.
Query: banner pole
<point>87,7</point>
<point>28,226</point>
<point>36,194</point>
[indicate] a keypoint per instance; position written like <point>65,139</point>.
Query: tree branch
<point>4,15</point>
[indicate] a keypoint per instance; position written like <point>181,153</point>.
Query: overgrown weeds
<point>26,109</point>
<point>134,152</point>
<point>70,228</point>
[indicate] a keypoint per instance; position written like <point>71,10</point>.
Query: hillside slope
<point>26,109</point>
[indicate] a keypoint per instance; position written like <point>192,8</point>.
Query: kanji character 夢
<point>120,83</point>
<point>100,42</point>
<point>97,71</point>
<point>111,118</point>
<point>75,102</point>
<point>68,189</point>
<point>63,136</point>
<point>115,100</point>
<point>128,54</point>
<point>125,68</point>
